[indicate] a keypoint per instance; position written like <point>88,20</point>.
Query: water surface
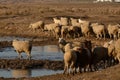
<point>18,73</point>
<point>49,52</point>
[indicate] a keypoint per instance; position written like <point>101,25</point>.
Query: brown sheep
<point>84,56</point>
<point>100,53</point>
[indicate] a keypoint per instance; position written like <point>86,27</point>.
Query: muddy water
<point>17,73</point>
<point>9,38</point>
<point>49,52</point>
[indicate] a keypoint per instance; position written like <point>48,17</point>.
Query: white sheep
<point>22,46</point>
<point>111,51</point>
<point>117,50</point>
<point>85,28</point>
<point>113,30</point>
<point>37,25</point>
<point>99,30</point>
<point>64,21</point>
<point>81,21</point>
<point>56,20</point>
<point>74,22</point>
<point>51,27</point>
<point>70,58</point>
<point>119,33</point>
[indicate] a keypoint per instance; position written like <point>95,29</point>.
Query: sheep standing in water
<point>22,46</point>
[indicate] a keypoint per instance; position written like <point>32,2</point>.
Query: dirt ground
<point>15,17</point>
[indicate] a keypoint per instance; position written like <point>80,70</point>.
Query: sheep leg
<point>66,68</point>
<point>97,36</point>
<point>115,37</point>
<point>72,66</point>
<point>80,69</point>
<point>88,34</point>
<point>90,67</point>
<point>118,35</point>
<point>28,55</point>
<point>19,55</point>
<point>104,35</point>
<point>118,57</point>
<point>100,36</point>
<point>110,36</point>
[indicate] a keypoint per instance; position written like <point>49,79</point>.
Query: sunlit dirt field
<point>15,17</point>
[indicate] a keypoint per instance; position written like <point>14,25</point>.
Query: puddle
<point>9,38</point>
<point>47,52</point>
<point>27,73</point>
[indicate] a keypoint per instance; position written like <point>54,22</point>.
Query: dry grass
<point>15,18</point>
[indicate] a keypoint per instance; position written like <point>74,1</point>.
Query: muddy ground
<point>15,17</point>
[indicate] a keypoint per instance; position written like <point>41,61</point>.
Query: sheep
<point>113,30</point>
<point>62,43</point>
<point>74,31</point>
<point>22,46</point>
<point>16,73</point>
<point>37,25</point>
<point>117,50</point>
<point>74,22</point>
<point>99,53</point>
<point>84,55</point>
<point>81,21</point>
<point>64,21</point>
<point>65,31</point>
<point>83,25</point>
<point>70,31</point>
<point>70,58</point>
<point>56,20</point>
<point>83,59</point>
<point>82,50</point>
<point>85,28</point>
<point>119,33</point>
<point>111,51</point>
<point>57,31</point>
<point>51,28</point>
<point>98,29</point>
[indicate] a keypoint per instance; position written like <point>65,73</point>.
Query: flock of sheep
<point>78,54</point>
<point>71,28</point>
<point>81,55</point>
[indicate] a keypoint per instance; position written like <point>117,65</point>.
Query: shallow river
<point>49,52</point>
<point>27,73</point>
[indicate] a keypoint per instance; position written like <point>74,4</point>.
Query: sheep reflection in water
<point>21,73</point>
